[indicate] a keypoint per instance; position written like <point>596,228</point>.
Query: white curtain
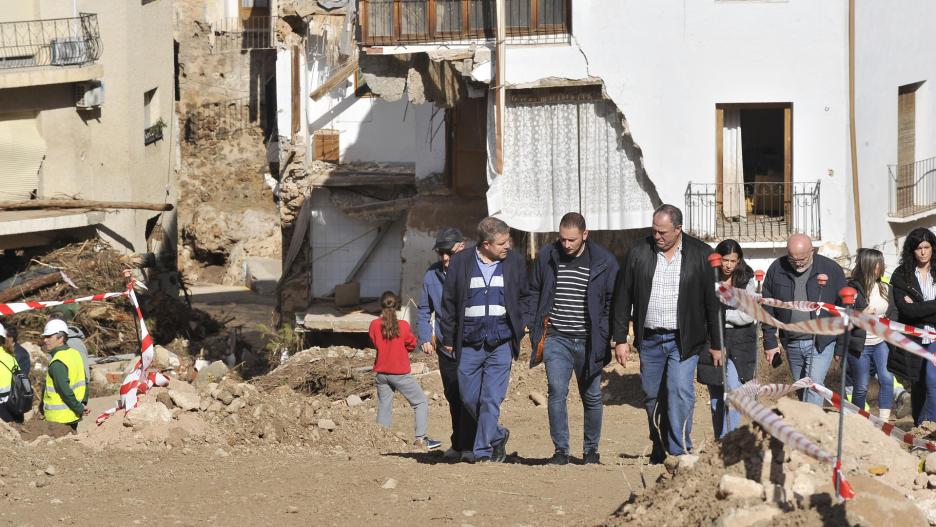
<point>566,157</point>
<point>732,166</point>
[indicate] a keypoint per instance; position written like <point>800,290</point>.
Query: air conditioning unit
<point>89,95</point>
<point>68,51</point>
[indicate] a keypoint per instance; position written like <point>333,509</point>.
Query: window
<point>361,89</point>
<point>152,121</point>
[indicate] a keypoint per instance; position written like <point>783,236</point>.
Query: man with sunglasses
<point>448,242</point>
<point>795,277</point>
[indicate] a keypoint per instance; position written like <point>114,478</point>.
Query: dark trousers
<point>464,426</point>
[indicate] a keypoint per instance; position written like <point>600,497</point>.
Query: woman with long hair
<point>394,340</point>
<point>740,340</point>
<point>914,285</point>
<point>870,351</point>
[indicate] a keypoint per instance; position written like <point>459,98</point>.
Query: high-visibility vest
<point>54,408</point>
<point>7,365</point>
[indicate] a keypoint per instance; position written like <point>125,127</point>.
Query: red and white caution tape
<point>19,307</point>
<point>743,400</point>
<point>742,300</point>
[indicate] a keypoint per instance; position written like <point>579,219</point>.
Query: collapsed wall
<point>226,107</point>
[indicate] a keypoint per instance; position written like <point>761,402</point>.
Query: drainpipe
<point>500,81</point>
<point>851,119</point>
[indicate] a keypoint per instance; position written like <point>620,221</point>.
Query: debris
<point>538,398</point>
<point>418,368</point>
<point>327,424</point>
<point>929,465</point>
<point>353,400</point>
<point>740,488</point>
<point>184,395</point>
<point>686,462</point>
<point>50,471</point>
<point>390,484</point>
<point>147,413</point>
<point>877,470</point>
<point>214,372</point>
<point>746,516</point>
<point>292,509</point>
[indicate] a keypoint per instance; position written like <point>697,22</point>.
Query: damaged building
<point>408,116</point>
<point>86,96</point>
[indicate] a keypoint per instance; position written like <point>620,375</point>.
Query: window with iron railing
<point>385,22</point>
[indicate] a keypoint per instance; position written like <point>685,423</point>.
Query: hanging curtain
<point>732,166</point>
<point>564,157</point>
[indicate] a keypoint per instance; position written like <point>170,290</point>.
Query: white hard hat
<point>2,331</point>
<point>54,327</point>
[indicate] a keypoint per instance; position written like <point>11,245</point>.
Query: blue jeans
<point>860,369</point>
<point>805,362</point>
<point>923,392</point>
<point>563,355</point>
<point>670,381</point>
<point>483,374</point>
<point>717,401</point>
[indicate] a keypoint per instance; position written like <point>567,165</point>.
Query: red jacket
<point>393,354</point>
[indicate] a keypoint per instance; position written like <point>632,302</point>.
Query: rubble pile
<point>751,477</point>
<point>110,327</point>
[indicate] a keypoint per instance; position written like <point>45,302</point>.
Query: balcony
<point>234,35</point>
<point>912,190</point>
<point>406,22</point>
<point>752,212</point>
<point>50,42</point>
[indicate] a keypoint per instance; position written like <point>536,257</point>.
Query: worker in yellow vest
<point>7,366</point>
<point>66,385</point>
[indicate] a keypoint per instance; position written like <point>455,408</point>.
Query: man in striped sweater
<point>573,282</point>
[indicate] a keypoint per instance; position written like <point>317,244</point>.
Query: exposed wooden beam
<point>380,207</point>
<point>337,78</point>
<point>381,234</point>
<point>351,179</point>
<point>33,204</point>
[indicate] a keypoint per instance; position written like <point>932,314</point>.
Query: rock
<point>147,414</point>
<point>221,453</point>
<point>929,510</point>
<point>932,481</point>
<point>204,404</point>
<point>214,372</point>
<point>184,399</point>
<point>225,396</point>
<point>686,462</point>
<point>50,471</point>
<point>354,400</point>
<point>389,484</point>
<point>803,485</point>
<point>921,480</point>
<point>327,424</point>
<point>747,516</point>
<point>215,407</point>
<point>469,513</point>
<point>236,405</point>
<point>165,399</point>
<point>160,358</point>
<point>418,368</point>
<point>292,509</point>
<point>930,464</point>
<point>739,488</point>
<point>538,398</point>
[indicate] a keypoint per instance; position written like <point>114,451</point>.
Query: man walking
<point>573,285</point>
<point>448,242</point>
<point>485,298</point>
<point>795,277</point>
<point>667,290</point>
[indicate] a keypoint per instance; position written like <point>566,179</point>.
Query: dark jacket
<point>779,284</point>
<point>22,358</point>
<point>856,340</point>
<point>697,308</point>
<point>741,343</point>
<point>430,300</point>
<point>917,313</point>
<point>602,274</point>
<point>455,292</point>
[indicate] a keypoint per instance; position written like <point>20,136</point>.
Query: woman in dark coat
<point>914,286</point>
<point>740,340</point>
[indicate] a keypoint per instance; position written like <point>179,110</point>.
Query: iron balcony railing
<point>912,188</point>
<point>50,42</point>
<point>752,212</point>
<point>390,22</point>
<point>243,34</point>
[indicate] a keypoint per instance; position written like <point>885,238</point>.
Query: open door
<point>467,151</point>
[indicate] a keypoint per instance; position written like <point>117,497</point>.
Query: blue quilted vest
<point>485,310</point>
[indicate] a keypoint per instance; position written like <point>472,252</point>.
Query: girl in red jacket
<point>394,340</point>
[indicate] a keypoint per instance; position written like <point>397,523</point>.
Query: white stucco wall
<point>893,48</point>
<point>666,64</point>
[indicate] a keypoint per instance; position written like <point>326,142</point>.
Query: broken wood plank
<point>379,207</point>
<point>357,179</point>
<point>33,204</point>
<point>29,286</point>
<point>336,78</point>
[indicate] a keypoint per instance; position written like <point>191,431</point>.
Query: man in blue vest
<point>485,299</point>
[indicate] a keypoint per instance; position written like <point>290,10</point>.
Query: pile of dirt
<point>750,477</point>
<point>110,326</point>
<point>335,372</point>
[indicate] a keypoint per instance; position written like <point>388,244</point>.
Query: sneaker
<point>559,458</point>
<point>902,406</point>
<point>591,458</point>
<point>452,454</point>
<point>484,459</point>
<point>468,456</point>
<point>427,443</point>
<point>499,453</point>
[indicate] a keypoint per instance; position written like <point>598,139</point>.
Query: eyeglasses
<point>799,261</point>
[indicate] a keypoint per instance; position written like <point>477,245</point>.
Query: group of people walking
<point>578,304</point>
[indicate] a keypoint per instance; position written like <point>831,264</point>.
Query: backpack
<point>21,396</point>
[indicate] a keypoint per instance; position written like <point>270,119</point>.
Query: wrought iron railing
<point>243,34</point>
<point>912,188</point>
<point>752,212</point>
<point>50,42</point>
<point>388,22</point>
<point>153,133</point>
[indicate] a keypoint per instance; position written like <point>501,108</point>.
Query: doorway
<point>467,151</point>
<point>754,145</point>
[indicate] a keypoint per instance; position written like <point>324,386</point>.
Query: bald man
<point>794,277</point>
